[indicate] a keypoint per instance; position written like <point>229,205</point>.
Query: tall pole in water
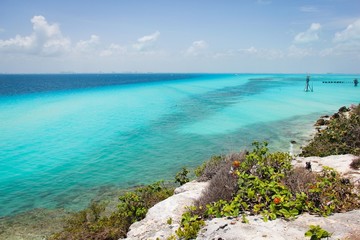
<point>308,88</point>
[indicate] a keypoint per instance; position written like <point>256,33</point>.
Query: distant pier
<point>355,82</point>
<point>310,88</point>
<point>337,82</point>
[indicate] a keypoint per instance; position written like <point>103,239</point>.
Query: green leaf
<point>250,193</point>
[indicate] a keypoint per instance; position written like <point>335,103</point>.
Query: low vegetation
<point>182,176</point>
<point>266,183</point>
<point>341,136</point>
<point>92,223</point>
<point>243,184</point>
<point>355,164</point>
<point>317,233</point>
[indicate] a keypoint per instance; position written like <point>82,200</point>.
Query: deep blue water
<point>14,84</point>
<point>66,138</point>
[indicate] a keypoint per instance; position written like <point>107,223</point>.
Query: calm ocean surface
<point>66,138</point>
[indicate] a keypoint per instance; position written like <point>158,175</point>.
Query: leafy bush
<point>181,177</point>
<point>341,136</point>
<point>299,179</point>
<point>190,225</point>
<point>92,223</point>
<point>317,233</point>
<point>331,194</point>
<point>209,168</point>
<point>267,184</point>
<point>222,186</point>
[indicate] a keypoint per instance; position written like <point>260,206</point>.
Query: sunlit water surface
<point>66,138</point>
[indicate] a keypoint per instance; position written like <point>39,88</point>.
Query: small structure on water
<point>356,82</point>
<point>308,88</point>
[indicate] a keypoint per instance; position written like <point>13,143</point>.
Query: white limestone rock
<point>340,224</point>
<point>340,163</point>
<point>155,225</point>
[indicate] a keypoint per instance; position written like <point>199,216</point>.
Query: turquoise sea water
<point>61,146</point>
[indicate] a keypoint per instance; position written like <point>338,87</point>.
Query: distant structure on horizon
<point>308,88</point>
<point>356,82</point>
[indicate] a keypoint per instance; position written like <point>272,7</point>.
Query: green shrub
<point>190,225</point>
<point>208,169</point>
<point>317,233</point>
<point>92,223</point>
<point>266,184</point>
<point>222,186</point>
<point>331,194</point>
<point>341,136</point>
<point>181,177</point>
<point>299,179</point>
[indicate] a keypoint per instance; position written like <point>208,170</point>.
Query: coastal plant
<point>89,224</point>
<point>244,218</point>
<point>267,185</point>
<point>182,176</point>
<point>317,233</point>
<point>331,193</point>
<point>171,237</point>
<point>94,223</point>
<point>299,179</point>
<point>208,169</point>
<point>355,164</point>
<point>190,225</point>
<point>223,186</point>
<point>341,136</point>
<point>133,206</point>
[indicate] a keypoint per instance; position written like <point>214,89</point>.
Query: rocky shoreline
<point>156,225</point>
<point>163,219</point>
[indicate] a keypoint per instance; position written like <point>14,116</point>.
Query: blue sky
<point>280,36</point>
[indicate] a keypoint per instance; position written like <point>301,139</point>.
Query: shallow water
<point>61,146</point>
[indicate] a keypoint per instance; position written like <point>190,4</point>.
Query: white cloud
<point>254,53</point>
<point>88,46</point>
<point>45,40</point>
<point>251,50</point>
<point>294,51</point>
<point>269,54</point>
<point>309,9</point>
<point>347,42</point>
<point>113,49</point>
<point>146,42</point>
<point>309,35</point>
<point>196,48</point>
<point>351,33</point>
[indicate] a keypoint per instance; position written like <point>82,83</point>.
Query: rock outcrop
<point>342,225</point>
<point>157,224</point>
<point>340,163</point>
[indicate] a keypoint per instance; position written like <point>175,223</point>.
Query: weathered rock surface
<point>339,162</point>
<point>342,225</point>
<point>155,224</point>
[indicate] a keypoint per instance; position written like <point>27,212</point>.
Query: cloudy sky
<point>261,36</point>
